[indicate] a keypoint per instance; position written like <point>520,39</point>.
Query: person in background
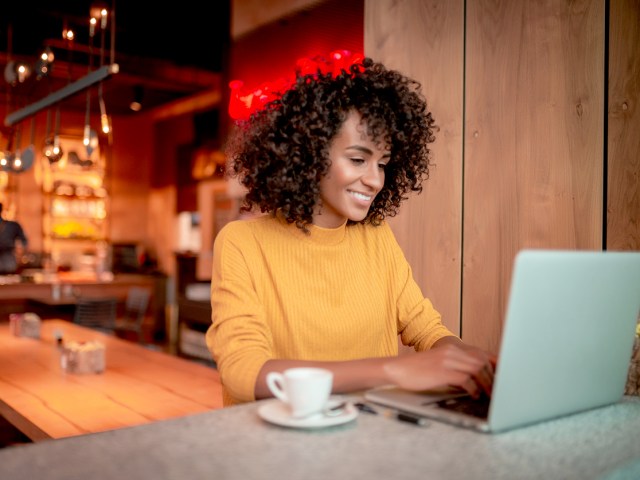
<point>10,232</point>
<point>320,280</point>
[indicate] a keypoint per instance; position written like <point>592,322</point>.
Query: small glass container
<point>83,357</point>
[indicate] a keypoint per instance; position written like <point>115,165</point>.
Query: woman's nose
<point>374,177</point>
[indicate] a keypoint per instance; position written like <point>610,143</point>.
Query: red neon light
<point>244,101</point>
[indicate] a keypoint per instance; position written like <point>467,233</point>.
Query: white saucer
<point>275,411</point>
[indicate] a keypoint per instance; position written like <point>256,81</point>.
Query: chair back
<point>98,313</point>
<point>136,304</point>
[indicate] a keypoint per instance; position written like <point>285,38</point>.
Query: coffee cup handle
<point>275,380</point>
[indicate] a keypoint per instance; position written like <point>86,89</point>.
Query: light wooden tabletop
<point>139,385</point>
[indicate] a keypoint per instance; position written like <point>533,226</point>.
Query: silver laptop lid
<point>568,335</point>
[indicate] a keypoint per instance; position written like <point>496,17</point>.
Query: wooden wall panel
<point>623,142</point>
<point>533,143</point>
<point>424,39</point>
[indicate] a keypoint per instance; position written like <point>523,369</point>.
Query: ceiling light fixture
<point>16,72</point>
<point>43,66</point>
<point>4,160</point>
<point>138,94</point>
<point>68,34</point>
<point>86,137</point>
<point>52,149</point>
<point>105,120</point>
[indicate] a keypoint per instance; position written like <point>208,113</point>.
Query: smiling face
<point>355,177</point>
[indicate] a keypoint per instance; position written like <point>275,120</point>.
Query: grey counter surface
<point>235,443</point>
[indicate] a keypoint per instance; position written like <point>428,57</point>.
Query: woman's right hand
<point>448,365</point>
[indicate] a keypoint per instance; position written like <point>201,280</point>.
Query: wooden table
<point>139,385</point>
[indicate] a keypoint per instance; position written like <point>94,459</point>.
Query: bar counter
<point>14,289</point>
<point>15,293</point>
<point>235,443</point>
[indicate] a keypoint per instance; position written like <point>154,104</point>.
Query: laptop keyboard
<point>477,407</point>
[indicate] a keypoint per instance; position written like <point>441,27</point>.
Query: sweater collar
<point>318,235</point>
<point>327,236</point>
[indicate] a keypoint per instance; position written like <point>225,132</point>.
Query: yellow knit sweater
<point>337,294</point>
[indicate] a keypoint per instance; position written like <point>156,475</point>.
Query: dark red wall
<point>270,52</point>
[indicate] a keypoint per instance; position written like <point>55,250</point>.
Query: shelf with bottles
<point>77,207</point>
<point>77,236</point>
<point>76,200</point>
<point>76,228</point>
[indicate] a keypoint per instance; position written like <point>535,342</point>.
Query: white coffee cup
<point>305,390</point>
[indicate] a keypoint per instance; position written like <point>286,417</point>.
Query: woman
<point>320,280</point>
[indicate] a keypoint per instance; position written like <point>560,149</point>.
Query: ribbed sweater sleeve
<point>336,294</point>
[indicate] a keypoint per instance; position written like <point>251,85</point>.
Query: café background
<point>537,105</point>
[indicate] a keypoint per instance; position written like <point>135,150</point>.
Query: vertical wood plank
<point>424,39</point>
<point>623,142</point>
<point>533,143</point>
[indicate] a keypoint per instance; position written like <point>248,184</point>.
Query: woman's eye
<point>357,161</point>
<point>382,166</point>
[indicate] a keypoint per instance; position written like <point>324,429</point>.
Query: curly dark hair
<point>281,152</point>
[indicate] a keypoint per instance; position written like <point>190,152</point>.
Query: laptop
<point>565,348</point>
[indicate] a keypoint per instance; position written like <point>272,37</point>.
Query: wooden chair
<point>96,313</point>
<point>135,312</point>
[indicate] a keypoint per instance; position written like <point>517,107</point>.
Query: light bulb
<point>52,149</point>
<point>93,140</point>
<point>105,123</point>
<point>48,55</point>
<point>86,137</point>
<point>68,34</point>
<point>23,72</point>
<point>57,149</point>
<point>17,160</point>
